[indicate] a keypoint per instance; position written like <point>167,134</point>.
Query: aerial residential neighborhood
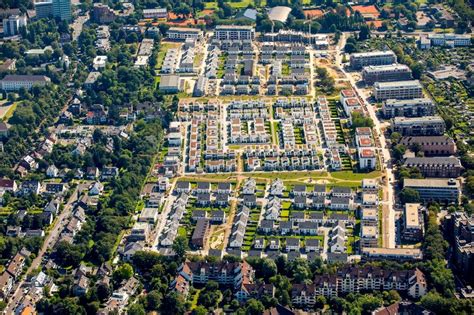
<point>236,157</point>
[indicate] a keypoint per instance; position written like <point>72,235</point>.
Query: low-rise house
<point>217,217</point>
<point>340,203</point>
<point>273,244</point>
<point>183,187</point>
<point>250,200</point>
<point>311,245</point>
<point>55,188</point>
<point>285,227</point>
<point>308,228</point>
<point>339,191</point>
<point>259,243</point>
<point>96,189</point>
<point>292,244</point>
<point>222,200</point>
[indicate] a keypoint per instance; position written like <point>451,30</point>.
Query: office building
<point>234,33</point>
<point>435,189</point>
<point>44,9</point>
<point>416,107</point>
<point>419,126</point>
<point>183,33</point>
<point>374,58</point>
<point>386,73</point>
<point>412,222</point>
<point>437,166</point>
<point>16,82</point>
<point>13,24</point>
<point>398,90</point>
<point>431,145</point>
<point>62,10</point>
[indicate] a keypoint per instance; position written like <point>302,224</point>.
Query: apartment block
<point>349,279</point>
<point>183,33</point>
<point>422,126</point>
<point>398,90</point>
<point>374,58</point>
<point>398,254</point>
<point>431,145</point>
<point>225,273</point>
<point>234,32</point>
<point>436,166</point>
<point>416,107</point>
<point>12,25</point>
<point>413,222</point>
<point>460,229</point>
<point>435,189</point>
<point>386,73</point>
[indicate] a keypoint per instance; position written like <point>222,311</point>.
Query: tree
<point>391,297</point>
<point>210,296</point>
<point>409,195</point>
<point>173,303</point>
<point>398,151</point>
<point>395,137</point>
<point>180,247</point>
<point>103,292</point>
<point>136,309</point>
<point>153,301</point>
<point>359,120</point>
<point>254,307</point>
<point>417,70</point>
<point>369,303</point>
<point>199,310</point>
<point>124,272</point>
<point>364,33</point>
<point>350,48</point>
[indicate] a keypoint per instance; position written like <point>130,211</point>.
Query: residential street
<point>61,221</point>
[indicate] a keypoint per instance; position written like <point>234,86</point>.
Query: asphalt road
<point>388,213</point>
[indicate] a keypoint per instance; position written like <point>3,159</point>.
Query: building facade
<point>422,126</point>
<point>13,24</point>
<point>234,33</point>
<point>412,222</point>
<point>183,33</point>
<point>435,189</point>
<point>374,58</point>
<point>62,9</point>
<point>416,107</point>
<point>398,90</point>
<point>431,145</point>
<point>436,166</point>
<point>16,82</point>
<point>386,73</point>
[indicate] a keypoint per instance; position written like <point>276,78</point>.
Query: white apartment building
<point>12,25</point>
<point>374,58</point>
<point>183,33</point>
<point>398,90</point>
<point>234,32</point>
